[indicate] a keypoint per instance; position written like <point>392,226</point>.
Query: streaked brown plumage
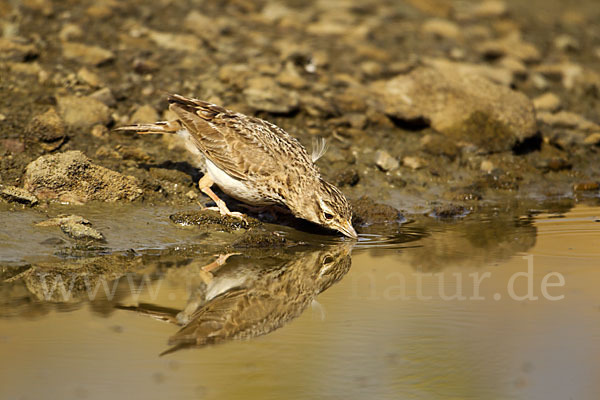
<point>265,299</point>
<point>254,161</point>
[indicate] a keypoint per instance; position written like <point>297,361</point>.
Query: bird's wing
<point>237,144</point>
<point>236,313</point>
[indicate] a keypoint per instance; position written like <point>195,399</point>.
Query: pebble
<point>70,32</point>
<point>17,195</point>
<point>511,45</point>
<point>442,28</point>
<point>83,112</point>
<point>17,49</point>
<point>567,119</point>
<point>89,77</point>
<point>547,102</point>
<point>487,166</point>
<point>264,94</point>
<point>177,42</point>
<point>592,139</point>
<point>46,127</point>
<point>566,43</point>
<point>91,55</point>
<point>74,226</point>
<point>144,114</point>
<point>104,96</point>
<point>490,9</point>
<point>567,73</point>
<point>385,161</point>
<point>413,162</point>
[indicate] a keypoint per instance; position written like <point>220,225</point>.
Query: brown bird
<point>254,299</point>
<point>255,162</point>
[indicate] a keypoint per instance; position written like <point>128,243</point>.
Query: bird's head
<point>329,208</point>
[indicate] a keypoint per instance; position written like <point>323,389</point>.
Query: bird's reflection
<point>252,296</point>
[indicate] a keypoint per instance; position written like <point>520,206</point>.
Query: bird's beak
<point>348,230</point>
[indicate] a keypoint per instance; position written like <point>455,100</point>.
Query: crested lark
<point>255,162</point>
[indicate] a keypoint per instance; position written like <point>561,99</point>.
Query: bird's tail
<point>161,127</point>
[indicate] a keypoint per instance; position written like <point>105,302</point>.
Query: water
<point>498,305</point>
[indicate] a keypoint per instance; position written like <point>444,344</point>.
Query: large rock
<point>463,106</point>
<point>72,177</point>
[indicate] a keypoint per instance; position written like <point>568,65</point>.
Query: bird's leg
<point>204,184</point>
<point>206,274</point>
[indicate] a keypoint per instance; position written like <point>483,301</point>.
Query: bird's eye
<point>327,215</point>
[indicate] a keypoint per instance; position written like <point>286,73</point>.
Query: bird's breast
<point>241,190</point>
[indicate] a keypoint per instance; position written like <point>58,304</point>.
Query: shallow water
<point>497,305</point>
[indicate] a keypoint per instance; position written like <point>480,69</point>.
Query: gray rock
<point>265,94</point>
<point>92,55</point>
<point>385,161</point>
<point>462,106</point>
<point>17,195</point>
<point>72,177</point>
<point>83,112</point>
<point>75,226</point>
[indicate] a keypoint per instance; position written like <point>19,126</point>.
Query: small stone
<point>83,112</point>
<point>75,226</point>
<point>385,161</point>
<point>46,127</point>
<point>17,195</point>
<point>92,55</point>
<point>510,45</point>
<point>99,131</point>
<point>89,77</point>
<point>16,49</point>
<point>490,9</point>
<point>70,32</point>
<point>566,43</point>
<point>567,119</point>
<point>266,95</point>
<point>586,186</point>
<point>442,28</point>
<point>413,162</point>
<point>144,114</point>
<point>593,139</point>
<point>487,166</point>
<point>567,73</point>
<point>448,211</point>
<point>104,96</point>
<point>72,177</point>
<point>539,82</point>
<point>192,194</point>
<point>547,102</point>
<point>177,42</point>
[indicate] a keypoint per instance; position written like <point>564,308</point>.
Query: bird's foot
<point>225,212</point>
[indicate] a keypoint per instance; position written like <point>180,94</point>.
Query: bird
<point>252,297</point>
<point>255,162</point>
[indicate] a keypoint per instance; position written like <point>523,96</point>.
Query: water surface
<point>502,305</point>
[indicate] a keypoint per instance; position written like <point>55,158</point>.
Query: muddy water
<point>494,306</point>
